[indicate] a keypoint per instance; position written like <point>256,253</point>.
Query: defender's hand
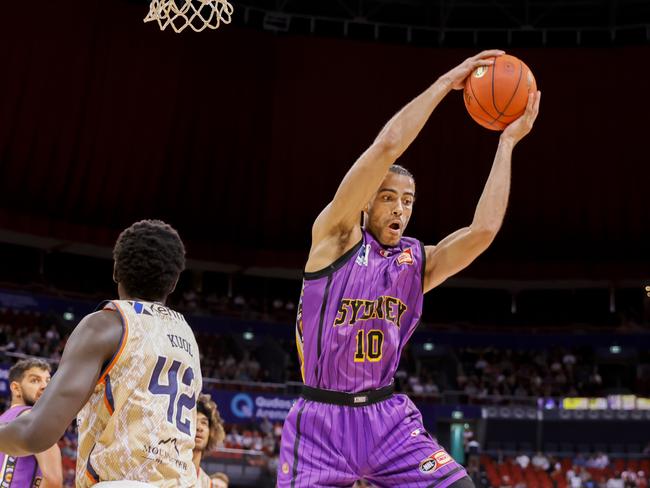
<point>522,126</point>
<point>455,78</point>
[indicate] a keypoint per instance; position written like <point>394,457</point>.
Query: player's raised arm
<point>459,249</point>
<point>90,346</point>
<point>339,220</point>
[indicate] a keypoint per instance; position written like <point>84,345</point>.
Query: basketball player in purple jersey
<point>28,379</point>
<point>362,300</point>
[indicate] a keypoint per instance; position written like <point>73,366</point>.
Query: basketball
<point>496,95</point>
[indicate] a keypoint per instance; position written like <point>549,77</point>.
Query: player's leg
<point>309,455</point>
<point>407,455</point>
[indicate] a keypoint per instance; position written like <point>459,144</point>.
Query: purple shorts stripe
<point>294,471</point>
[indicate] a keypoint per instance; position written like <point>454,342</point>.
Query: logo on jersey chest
<point>362,257</point>
<point>406,257</point>
<point>386,308</point>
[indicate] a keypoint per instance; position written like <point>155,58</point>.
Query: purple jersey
<point>356,315</point>
<point>18,472</point>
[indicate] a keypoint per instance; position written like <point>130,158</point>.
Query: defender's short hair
<point>149,257</point>
<point>207,407</point>
<point>18,370</point>
<point>401,170</point>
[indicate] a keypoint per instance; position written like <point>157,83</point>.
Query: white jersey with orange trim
<point>140,421</point>
<point>204,480</point>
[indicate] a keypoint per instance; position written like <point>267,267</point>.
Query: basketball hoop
<point>196,14</point>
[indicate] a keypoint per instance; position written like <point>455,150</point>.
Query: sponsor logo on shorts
<point>285,468</point>
<point>434,462</point>
<point>416,433</point>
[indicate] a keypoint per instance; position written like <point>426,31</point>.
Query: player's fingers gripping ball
<point>497,94</point>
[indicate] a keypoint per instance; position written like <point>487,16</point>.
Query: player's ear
<point>16,390</point>
<point>115,272</point>
<point>174,285</point>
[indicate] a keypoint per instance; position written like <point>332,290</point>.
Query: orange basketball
<point>496,95</point>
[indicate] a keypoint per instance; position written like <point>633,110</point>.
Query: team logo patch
<point>434,462</point>
<point>406,257</point>
<point>383,253</point>
<point>285,468</point>
<point>362,257</point>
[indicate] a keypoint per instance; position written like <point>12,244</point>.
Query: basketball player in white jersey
<point>131,371</point>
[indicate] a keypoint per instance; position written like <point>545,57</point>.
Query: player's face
<point>32,386</point>
<point>390,209</point>
<point>202,432</point>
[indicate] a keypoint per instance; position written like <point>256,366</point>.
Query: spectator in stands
<point>579,461</point>
<point>540,461</point>
<point>587,480</point>
<point>574,479</point>
<point>630,479</point>
<point>523,460</point>
<point>615,481</point>
<point>641,481</point>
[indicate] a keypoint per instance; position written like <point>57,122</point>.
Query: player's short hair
<point>18,370</point>
<point>149,257</point>
<point>207,407</point>
<point>401,170</point>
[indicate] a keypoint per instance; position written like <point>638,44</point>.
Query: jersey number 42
<point>176,402</point>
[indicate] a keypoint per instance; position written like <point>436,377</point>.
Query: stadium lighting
<point>248,336</point>
<point>428,346</point>
<point>68,316</point>
<point>615,349</point>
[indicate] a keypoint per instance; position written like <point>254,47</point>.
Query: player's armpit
<point>91,344</point>
<point>454,253</point>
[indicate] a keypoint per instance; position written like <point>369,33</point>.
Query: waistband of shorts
<point>360,399</point>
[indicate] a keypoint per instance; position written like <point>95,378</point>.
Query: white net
<point>195,14</point>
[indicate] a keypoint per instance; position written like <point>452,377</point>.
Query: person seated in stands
<point>523,460</point>
<point>615,481</point>
<point>574,479</point>
<point>540,461</point>
<point>579,460</point>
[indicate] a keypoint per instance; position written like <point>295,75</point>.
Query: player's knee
<point>465,482</point>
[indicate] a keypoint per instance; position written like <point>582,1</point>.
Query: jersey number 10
<point>171,390</point>
<point>369,347</point>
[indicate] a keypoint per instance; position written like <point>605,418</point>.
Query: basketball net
<point>196,14</point>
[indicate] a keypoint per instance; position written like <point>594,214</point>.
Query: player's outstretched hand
<point>457,76</point>
<point>522,126</point>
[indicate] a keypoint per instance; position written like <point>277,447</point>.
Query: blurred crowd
<point>483,375</point>
<point>484,372</point>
